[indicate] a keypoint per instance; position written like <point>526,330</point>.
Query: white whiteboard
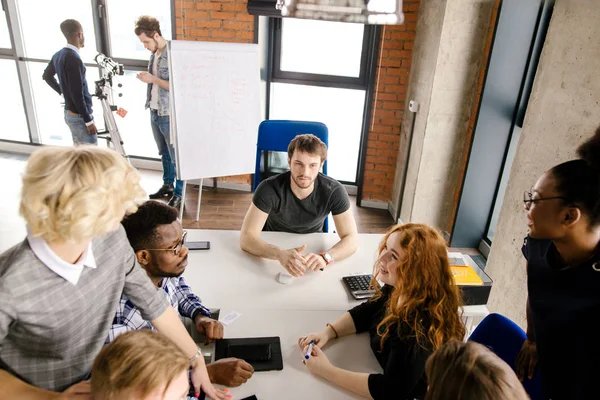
<point>215,107</point>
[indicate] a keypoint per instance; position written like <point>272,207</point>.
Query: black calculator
<point>359,286</point>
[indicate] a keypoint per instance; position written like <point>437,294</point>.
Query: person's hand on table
<point>79,391</point>
<point>320,339</point>
<point>201,380</point>
<point>526,360</point>
<point>293,261</point>
<point>318,363</point>
<point>210,328</point>
<point>315,262</point>
<point>230,372</point>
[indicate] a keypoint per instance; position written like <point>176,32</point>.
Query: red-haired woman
<point>414,314</point>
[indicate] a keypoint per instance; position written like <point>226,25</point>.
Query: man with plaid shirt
<point>183,300</point>
<point>158,239</point>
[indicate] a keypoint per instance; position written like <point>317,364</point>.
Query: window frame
<point>480,192</point>
<point>365,81</point>
<point>304,78</point>
<point>17,54</point>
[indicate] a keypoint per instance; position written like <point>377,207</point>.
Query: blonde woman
<point>60,287</point>
<point>415,313</point>
<point>469,371</point>
<point>141,365</point>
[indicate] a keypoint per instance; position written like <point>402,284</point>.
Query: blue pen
<point>309,351</point>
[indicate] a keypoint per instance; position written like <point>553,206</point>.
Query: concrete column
<point>563,111</point>
<point>448,54</point>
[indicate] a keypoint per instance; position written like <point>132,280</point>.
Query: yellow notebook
<point>465,275</point>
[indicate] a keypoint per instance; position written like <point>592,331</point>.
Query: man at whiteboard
<point>147,30</point>
<point>298,201</point>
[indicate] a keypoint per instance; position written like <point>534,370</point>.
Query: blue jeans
<point>162,133</point>
<point>79,130</point>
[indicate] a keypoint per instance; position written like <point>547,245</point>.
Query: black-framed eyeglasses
<point>177,249</point>
<point>528,199</point>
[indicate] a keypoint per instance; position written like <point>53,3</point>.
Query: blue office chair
<point>505,339</point>
<point>276,135</point>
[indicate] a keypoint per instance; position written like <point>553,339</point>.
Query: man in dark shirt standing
<point>298,201</point>
<point>69,67</point>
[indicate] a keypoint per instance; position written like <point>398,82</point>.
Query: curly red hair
<point>425,289</point>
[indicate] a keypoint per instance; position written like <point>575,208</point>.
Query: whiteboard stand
<point>199,200</point>
<point>218,84</point>
<point>182,201</point>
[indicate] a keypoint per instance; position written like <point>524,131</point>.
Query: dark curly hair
<point>147,25</point>
<point>141,225</point>
<point>578,181</point>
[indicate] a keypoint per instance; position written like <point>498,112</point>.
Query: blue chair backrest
<point>276,135</point>
<point>505,339</point>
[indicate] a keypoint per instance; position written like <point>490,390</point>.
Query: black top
<point>287,213</point>
<point>402,359</point>
<point>72,84</point>
<point>565,308</point>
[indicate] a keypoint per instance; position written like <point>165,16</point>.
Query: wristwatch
<point>327,257</point>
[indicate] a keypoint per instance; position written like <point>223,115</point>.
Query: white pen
<point>309,351</point>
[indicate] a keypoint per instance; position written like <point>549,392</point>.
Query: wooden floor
<point>220,208</point>
<point>225,209</point>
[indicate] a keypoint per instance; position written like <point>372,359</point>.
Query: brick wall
<point>391,82</point>
<point>229,21</point>
<point>216,21</point>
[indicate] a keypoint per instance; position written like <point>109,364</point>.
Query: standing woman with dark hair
<point>414,314</point>
<point>563,277</point>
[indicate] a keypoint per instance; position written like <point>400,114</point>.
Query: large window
<point>344,120</point>
<point>510,156</point>
<point>12,111</point>
<point>11,105</point>
<point>518,41</point>
<point>33,111</point>
<point>318,47</point>
<point>40,25</point>
<point>49,107</point>
<point>135,126</point>
<point>4,35</point>
<point>320,73</point>
<point>121,18</point>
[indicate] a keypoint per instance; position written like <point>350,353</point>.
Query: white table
<point>227,278</point>
<point>295,381</point>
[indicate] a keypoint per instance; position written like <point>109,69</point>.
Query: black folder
<point>263,353</point>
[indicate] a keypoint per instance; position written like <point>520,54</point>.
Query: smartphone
<point>250,398</point>
<point>255,352</point>
<point>198,245</point>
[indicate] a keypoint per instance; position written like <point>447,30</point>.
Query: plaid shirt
<point>177,292</point>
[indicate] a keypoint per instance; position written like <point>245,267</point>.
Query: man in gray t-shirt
<point>298,201</point>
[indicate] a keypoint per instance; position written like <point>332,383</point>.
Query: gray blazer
<point>50,329</point>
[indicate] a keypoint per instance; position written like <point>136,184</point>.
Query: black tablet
<point>263,353</point>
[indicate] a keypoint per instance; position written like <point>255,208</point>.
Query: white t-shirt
<point>154,92</point>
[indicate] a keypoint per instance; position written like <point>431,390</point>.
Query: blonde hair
<point>73,194</point>
<point>469,371</point>
<point>136,364</point>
